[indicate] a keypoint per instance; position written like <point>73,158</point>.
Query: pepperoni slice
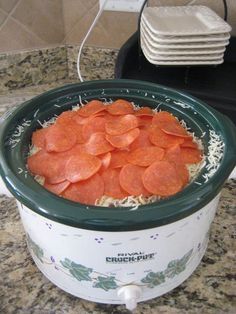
<point>169,124</point>
<point>131,180</point>
<point>188,142</point>
<point>120,107</point>
<point>141,141</point>
<point>59,138</point>
<point>49,165</point>
<point>100,114</point>
<point>66,117</point>
<point>174,128</point>
<point>183,173</point>
<point>173,154</point>
<point>121,125</point>
<point>106,160</point>
<point>161,139</point>
<point>161,178</point>
<point>144,122</point>
<point>81,167</point>
<point>80,120</point>
<point>123,140</point>
<point>34,162</point>
<point>75,150</point>
<point>163,116</point>
<point>112,185</point>
<point>56,188</point>
<point>118,158</point>
<point>98,144</point>
<point>93,125</point>
<point>145,156</point>
<point>190,155</point>
<point>76,128</point>
<point>67,120</point>
<point>144,111</point>
<point>39,138</point>
<point>87,191</point>
<point>92,107</point>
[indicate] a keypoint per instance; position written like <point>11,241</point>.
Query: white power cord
<point>191,2</point>
<point>86,36</point>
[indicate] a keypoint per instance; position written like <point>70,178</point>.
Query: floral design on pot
<point>174,268</point>
<point>153,279</point>
<point>81,273</point>
<point>34,248</point>
<point>106,282</point>
<point>78,271</point>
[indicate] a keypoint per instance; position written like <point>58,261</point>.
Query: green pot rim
<point>44,203</point>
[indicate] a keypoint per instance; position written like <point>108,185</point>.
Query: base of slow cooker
<point>153,295</point>
<point>95,265</point>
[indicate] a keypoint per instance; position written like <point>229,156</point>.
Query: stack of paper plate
<point>184,35</point>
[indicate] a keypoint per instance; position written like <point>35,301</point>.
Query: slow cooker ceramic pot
<point>117,255</point>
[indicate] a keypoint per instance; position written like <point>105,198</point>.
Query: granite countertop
<point>23,289</point>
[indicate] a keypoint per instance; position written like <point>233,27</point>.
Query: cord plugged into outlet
<point>122,5</point>
<point>111,5</point>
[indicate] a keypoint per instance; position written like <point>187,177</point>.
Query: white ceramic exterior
<point>93,265</point>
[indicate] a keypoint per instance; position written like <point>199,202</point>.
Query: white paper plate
<point>162,57</point>
<point>187,51</point>
<point>184,20</point>
<point>184,63</point>
<point>207,40</point>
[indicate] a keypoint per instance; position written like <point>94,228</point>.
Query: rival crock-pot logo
<point>133,257</point>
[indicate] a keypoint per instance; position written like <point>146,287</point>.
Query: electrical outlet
<point>122,5</point>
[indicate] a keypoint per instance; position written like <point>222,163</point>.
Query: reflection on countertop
<point>23,289</point>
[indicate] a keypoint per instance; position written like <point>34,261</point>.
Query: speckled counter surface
<point>23,289</point>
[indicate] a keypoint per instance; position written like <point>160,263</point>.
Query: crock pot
<point>116,255</point>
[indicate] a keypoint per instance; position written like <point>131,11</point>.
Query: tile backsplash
<point>26,24</point>
<point>29,24</point>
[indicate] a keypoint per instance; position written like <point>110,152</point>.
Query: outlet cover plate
<point>122,5</point>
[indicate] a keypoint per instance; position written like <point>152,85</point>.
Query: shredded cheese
<point>36,112</point>
<point>46,124</point>
<point>20,129</point>
<point>40,179</point>
<point>181,104</point>
<point>33,150</point>
<point>130,201</point>
<point>20,170</point>
<point>215,154</point>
